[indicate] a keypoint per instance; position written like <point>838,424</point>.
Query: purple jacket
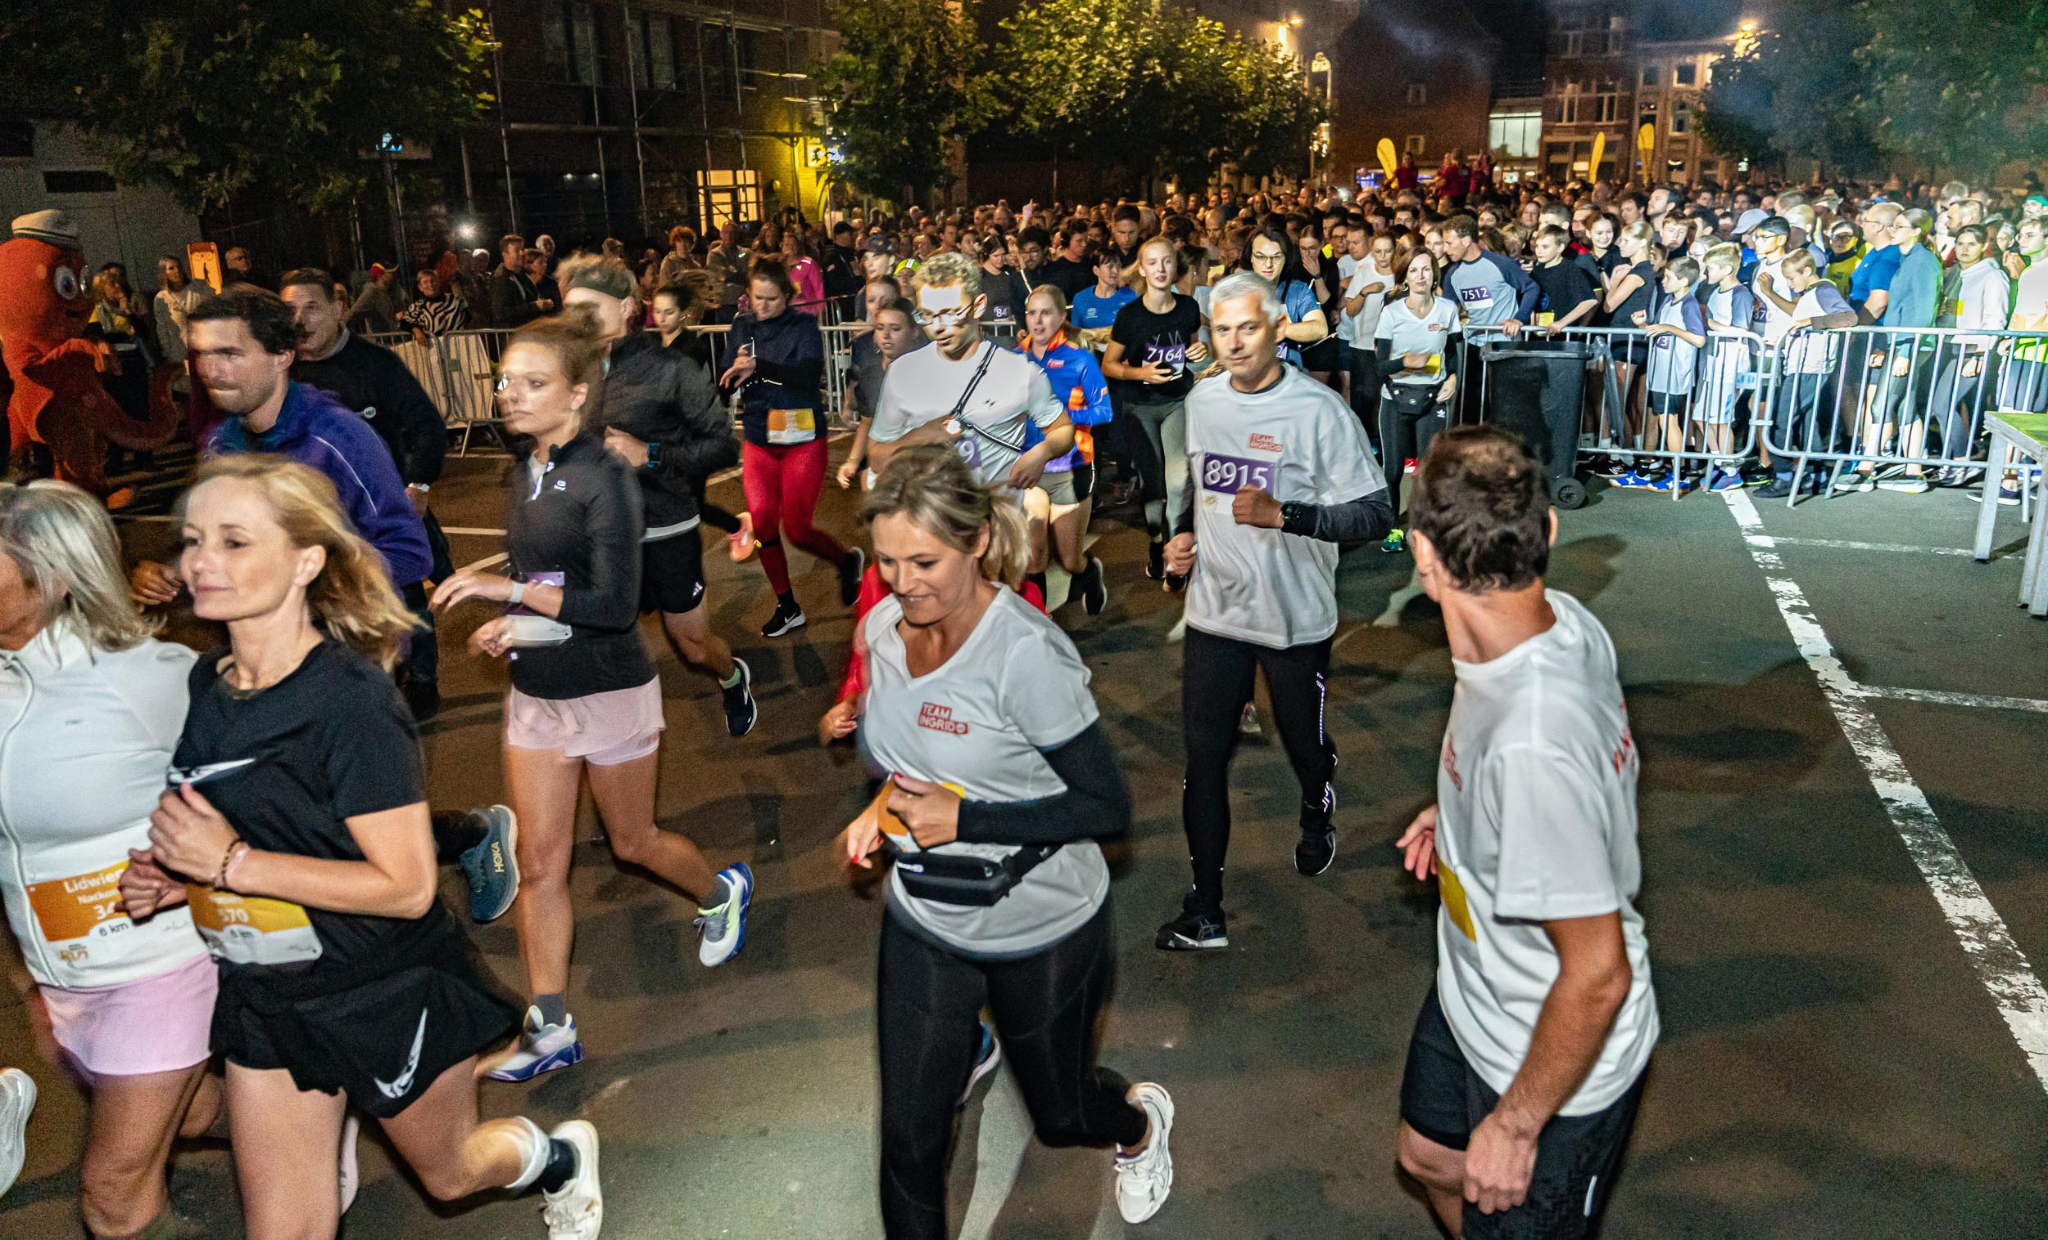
<point>315,429</point>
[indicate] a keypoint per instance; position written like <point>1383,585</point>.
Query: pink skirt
<point>158,1024</point>
<point>604,729</point>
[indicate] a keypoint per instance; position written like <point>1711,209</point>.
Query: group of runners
<point>266,803</point>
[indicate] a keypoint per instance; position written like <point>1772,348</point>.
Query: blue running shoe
<point>1724,481</point>
<point>1669,482</point>
<point>492,866</point>
<point>725,927</point>
<point>541,1048</point>
<point>1630,481</point>
<point>986,1057</point>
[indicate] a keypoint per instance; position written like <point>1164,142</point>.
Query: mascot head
<point>44,298</point>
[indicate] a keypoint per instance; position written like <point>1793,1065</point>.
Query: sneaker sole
<point>511,866</point>
<point>1182,943</point>
<point>739,936</point>
<point>981,1071</point>
<point>554,1061</point>
<point>753,707</point>
<point>786,629</point>
<point>16,1105</point>
<point>1321,869</point>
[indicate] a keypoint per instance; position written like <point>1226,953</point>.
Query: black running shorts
<point>382,1042</point>
<point>1576,1155</point>
<point>672,573</point>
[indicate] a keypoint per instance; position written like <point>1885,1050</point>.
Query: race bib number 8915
<point>1230,474</point>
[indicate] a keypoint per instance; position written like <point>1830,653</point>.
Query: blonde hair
<point>947,270</point>
<point>65,546</point>
<point>351,599</point>
<point>573,337</point>
<point>1133,276</point>
<point>1726,254</point>
<point>933,487</point>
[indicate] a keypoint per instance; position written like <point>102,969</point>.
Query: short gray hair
<point>1248,284</point>
<point>65,546</point>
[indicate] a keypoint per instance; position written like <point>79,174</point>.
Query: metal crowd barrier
<point>1911,399</point>
<point>1617,392</point>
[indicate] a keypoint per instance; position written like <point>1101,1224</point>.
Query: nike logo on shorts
<point>403,1085</point>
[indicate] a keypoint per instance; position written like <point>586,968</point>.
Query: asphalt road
<point>1833,1060</point>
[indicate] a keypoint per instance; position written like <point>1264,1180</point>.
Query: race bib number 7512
<point>1230,474</point>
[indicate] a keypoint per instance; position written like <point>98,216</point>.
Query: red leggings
<point>782,486</point>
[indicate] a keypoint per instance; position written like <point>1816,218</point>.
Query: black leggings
<point>1159,442</point>
<point>1216,682</point>
<point>1409,418</point>
<point>1045,1008</point>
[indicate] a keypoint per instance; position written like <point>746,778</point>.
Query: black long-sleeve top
<point>789,366</point>
<point>1096,804</point>
<point>578,515</point>
<point>370,379</point>
<point>664,396</point>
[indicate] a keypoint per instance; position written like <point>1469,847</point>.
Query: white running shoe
<point>17,1100</point>
<point>575,1211</point>
<point>1144,1180</point>
<point>351,1175</point>
<point>541,1048</point>
<point>725,927</point>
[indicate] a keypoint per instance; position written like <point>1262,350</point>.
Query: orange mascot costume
<point>58,399</point>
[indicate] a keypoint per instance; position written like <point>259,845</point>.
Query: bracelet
<point>227,860</point>
<point>228,871</point>
<point>421,487</point>
<point>518,592</point>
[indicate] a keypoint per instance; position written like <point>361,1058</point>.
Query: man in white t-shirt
<point>965,391</point>
<point>1282,474</point>
<point>1526,1065</point>
<point>1365,294</point>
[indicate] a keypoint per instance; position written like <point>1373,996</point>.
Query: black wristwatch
<point>1298,518</point>
<point>653,455</point>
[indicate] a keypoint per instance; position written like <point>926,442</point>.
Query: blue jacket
<point>315,429</point>
<point>1078,385</point>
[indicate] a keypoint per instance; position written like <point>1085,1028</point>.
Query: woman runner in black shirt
<point>584,700</point>
<point>297,826</point>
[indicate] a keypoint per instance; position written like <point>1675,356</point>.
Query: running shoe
<point>725,927</point>
<point>1094,593</point>
<point>1175,583</point>
<point>1723,481</point>
<point>17,1099</point>
<point>1395,542</point>
<point>1630,480</point>
<point>575,1211</point>
<point>1776,488</point>
<point>351,1174</point>
<point>740,708</point>
<point>787,619</point>
<point>1155,560</point>
<point>2007,496</point>
<point>986,1056</point>
<point>1143,1180</point>
<point>1669,482</point>
<point>1907,484</point>
<point>541,1048</point>
<point>742,540</point>
<point>1196,929</point>
<point>1853,480</point>
<point>1248,722</point>
<point>1613,467</point>
<point>850,569</point>
<point>1316,850</point>
<point>492,864</point>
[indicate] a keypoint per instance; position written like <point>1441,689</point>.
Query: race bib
<point>1226,475</point>
<point>1455,905</point>
<point>792,426</point>
<point>529,627</point>
<point>969,448</point>
<point>1171,357</point>
<point>82,906</point>
<point>1475,298</point>
<point>1664,342</point>
<point>252,929</point>
<point>1545,318</point>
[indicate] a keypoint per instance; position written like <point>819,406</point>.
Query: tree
<point>906,83</point>
<point>1156,87</point>
<point>1799,93</point>
<point>1958,84</point>
<point>212,97</point>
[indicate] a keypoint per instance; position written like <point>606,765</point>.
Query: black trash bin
<point>1535,388</point>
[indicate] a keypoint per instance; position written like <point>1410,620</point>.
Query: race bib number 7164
<point>1230,474</point>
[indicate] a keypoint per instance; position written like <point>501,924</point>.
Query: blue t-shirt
<point>1300,300</point>
<point>1092,310</point>
<point>1874,274</point>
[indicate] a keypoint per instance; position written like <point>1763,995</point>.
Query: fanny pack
<point>978,882</point>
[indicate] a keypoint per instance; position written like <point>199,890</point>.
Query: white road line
<point>1842,544</point>
<point>1984,701</point>
<point>2001,966</point>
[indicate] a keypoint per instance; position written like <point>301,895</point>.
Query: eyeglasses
<point>943,318</point>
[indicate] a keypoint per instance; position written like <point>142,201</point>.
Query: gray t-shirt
<point>1298,442</point>
<point>977,724</point>
<point>925,385</point>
